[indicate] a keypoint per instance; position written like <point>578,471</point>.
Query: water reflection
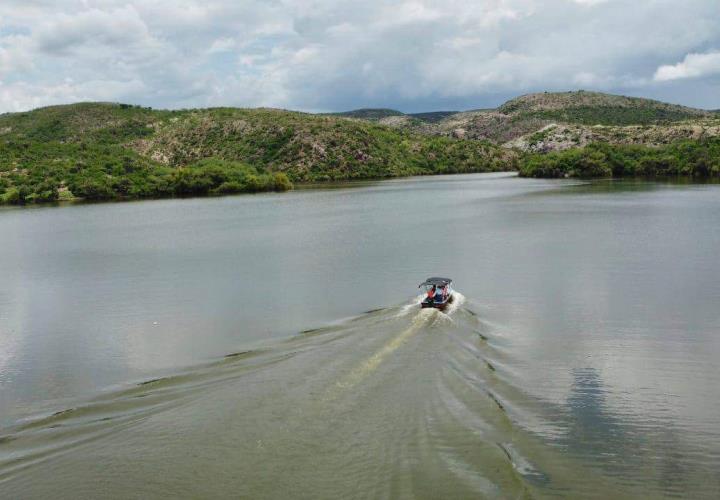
<point>592,425</point>
<point>639,451</point>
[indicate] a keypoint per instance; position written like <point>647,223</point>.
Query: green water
<point>223,347</point>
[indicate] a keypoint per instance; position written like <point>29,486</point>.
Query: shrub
<point>229,188</point>
<point>281,182</point>
<point>92,188</point>
<point>65,195</point>
<point>187,181</point>
<point>691,158</point>
<point>12,196</point>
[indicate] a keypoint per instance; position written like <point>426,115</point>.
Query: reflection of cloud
<point>641,451</point>
<point>592,429</point>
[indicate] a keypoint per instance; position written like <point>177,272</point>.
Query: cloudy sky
<point>326,55</point>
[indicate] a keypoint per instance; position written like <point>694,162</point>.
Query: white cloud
<point>224,44</point>
<point>693,66</point>
<point>590,2</point>
<point>15,55</point>
<point>116,27</point>
<point>22,96</point>
<point>408,13</point>
<point>333,54</point>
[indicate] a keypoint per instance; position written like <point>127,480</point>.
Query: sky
<point>334,55</point>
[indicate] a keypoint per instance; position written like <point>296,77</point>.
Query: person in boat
<point>439,292</point>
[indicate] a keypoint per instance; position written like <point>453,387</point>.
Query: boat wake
<point>398,402</point>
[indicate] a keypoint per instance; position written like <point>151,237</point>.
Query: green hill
<point>104,151</point>
<point>116,151</point>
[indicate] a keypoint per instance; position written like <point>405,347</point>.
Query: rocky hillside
<point>598,108</point>
<point>309,147</point>
<point>562,136</point>
<point>107,151</point>
<point>556,121</point>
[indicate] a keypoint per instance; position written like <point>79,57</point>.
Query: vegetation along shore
<point>105,151</point>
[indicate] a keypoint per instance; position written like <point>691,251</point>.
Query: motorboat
<point>438,293</point>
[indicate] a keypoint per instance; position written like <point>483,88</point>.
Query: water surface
<point>223,347</point>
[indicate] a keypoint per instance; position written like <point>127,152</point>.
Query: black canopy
<point>436,282</point>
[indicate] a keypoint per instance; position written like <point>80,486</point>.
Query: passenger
<point>440,294</point>
<point>431,293</point>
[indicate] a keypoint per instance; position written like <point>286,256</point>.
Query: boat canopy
<point>436,282</point>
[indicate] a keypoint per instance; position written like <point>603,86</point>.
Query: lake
<point>272,346</point>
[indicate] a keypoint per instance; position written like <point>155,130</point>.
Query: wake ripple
<point>399,402</point>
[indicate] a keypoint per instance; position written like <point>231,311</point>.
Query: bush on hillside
<point>214,176</point>
<point>685,158</point>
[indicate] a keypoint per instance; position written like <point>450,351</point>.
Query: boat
<point>438,293</point>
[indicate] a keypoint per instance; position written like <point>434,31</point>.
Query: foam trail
<point>411,306</point>
<point>458,301</point>
<point>370,364</point>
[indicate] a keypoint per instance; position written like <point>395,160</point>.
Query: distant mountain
<point>432,116</point>
<point>377,114</point>
<point>372,114</point>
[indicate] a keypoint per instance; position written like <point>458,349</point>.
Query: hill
<point>568,119</point>
<point>588,134</point>
<point>116,151</point>
<point>595,108</point>
<point>103,151</point>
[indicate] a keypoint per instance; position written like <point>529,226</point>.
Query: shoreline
<point>299,186</point>
<point>350,183</point>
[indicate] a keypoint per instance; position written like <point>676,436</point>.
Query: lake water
<point>272,346</point>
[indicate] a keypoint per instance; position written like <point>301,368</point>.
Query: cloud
<point>225,44</point>
<point>23,96</point>
<point>15,55</point>
<point>590,2</point>
<point>118,28</point>
<point>693,66</point>
<point>341,54</point>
